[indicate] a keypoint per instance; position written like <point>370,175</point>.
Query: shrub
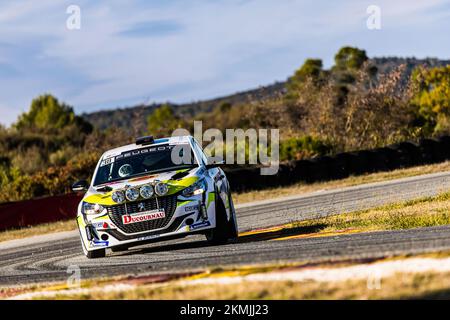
<point>301,148</point>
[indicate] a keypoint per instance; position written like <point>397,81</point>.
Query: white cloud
<point>219,47</point>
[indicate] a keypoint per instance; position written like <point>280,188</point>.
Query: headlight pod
<point>132,194</point>
<point>92,208</point>
<point>146,191</point>
<point>161,188</point>
<point>197,188</point>
<point>118,196</point>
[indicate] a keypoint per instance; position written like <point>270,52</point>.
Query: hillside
<point>123,117</point>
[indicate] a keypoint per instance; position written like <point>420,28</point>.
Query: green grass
<point>424,212</point>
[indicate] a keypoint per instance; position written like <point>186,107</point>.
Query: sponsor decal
<point>177,143</point>
<point>154,236</point>
<point>97,225</point>
<point>136,152</point>
<point>96,243</point>
<point>143,216</point>
<point>191,208</point>
<point>103,225</point>
<point>200,225</point>
<point>106,161</point>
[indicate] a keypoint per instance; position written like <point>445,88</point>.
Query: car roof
<point>159,141</point>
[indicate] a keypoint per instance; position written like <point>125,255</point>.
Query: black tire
<point>99,253</point>
<point>119,248</point>
<point>225,230</point>
<point>235,233</point>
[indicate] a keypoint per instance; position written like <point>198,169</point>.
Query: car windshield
<point>142,161</point>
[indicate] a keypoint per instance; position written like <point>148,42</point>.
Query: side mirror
<point>80,186</point>
<point>214,164</point>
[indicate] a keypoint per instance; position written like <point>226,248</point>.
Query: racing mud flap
<point>90,233</point>
<point>203,211</point>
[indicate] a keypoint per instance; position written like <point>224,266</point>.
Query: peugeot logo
<point>141,206</point>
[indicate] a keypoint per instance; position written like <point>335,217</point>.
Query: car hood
<point>175,180</point>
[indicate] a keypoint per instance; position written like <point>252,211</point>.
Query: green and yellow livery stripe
<point>174,187</point>
<point>211,199</point>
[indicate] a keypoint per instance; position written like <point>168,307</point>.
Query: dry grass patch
<point>26,232</point>
<point>301,188</point>
<point>401,286</point>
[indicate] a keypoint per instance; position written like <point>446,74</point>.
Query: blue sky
<point>130,52</point>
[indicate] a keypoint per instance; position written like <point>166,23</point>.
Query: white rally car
<point>152,190</point>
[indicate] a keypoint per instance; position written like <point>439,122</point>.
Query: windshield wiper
<point>104,189</point>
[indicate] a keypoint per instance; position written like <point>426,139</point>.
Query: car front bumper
<point>191,216</point>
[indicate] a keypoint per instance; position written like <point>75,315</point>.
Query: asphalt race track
<point>47,258</point>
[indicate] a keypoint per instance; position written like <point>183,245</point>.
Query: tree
<point>310,68</point>
<point>432,98</point>
<point>350,58</point>
<point>348,62</point>
<point>310,71</point>
<point>48,114</point>
<point>369,117</point>
<point>163,121</point>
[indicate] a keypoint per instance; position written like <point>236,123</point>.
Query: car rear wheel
<point>225,230</point>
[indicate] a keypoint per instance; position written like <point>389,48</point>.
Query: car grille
<point>171,228</point>
<point>169,203</point>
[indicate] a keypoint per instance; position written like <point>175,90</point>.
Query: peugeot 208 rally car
<point>152,190</point>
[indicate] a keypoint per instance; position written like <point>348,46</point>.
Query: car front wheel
<point>225,230</point>
<point>99,253</point>
<point>119,248</point>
